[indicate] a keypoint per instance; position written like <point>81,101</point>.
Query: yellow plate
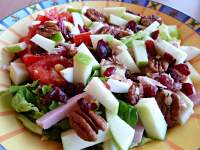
<point>12,134</point>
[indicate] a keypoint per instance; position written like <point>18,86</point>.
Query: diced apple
<point>163,46</point>
<point>13,48</point>
<point>4,80</point>
<point>97,89</point>
<point>117,86</point>
<point>87,21</point>
<point>77,19</point>
<point>115,20</point>
<point>74,30</point>
<point>188,110</point>
<point>68,74</point>
<point>152,27</point>
<point>128,16</point>
<point>83,49</point>
<point>5,57</point>
<point>82,68</point>
<point>117,46</point>
<point>191,52</point>
<point>118,11</point>
<point>140,52</point>
<point>152,118</point>
<point>163,32</point>
<point>110,145</point>
<point>71,141</point>
<point>96,38</point>
<point>125,58</point>
<point>58,37</point>
<point>96,26</point>
<point>122,133</point>
<point>77,10</point>
<point>194,74</point>
<point>173,31</point>
<point>43,42</point>
<point>18,73</point>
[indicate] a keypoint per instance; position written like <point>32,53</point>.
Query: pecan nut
<point>48,29</point>
<point>135,92</point>
<point>94,15</point>
<point>147,20</point>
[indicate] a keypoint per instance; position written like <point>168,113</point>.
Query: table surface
<point>189,7</point>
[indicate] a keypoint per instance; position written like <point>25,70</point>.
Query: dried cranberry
<point>151,50</point>
<point>109,71</point>
<point>177,76</point>
<point>149,90</point>
<point>103,51</point>
<point>168,57</point>
<point>72,89</point>
<point>155,34</point>
<point>85,105</point>
<point>65,31</point>
<point>187,88</point>
<point>132,25</point>
<point>166,80</point>
<point>183,69</point>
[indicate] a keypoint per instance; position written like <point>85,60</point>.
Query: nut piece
<point>48,29</point>
<point>135,92</point>
<point>94,15</point>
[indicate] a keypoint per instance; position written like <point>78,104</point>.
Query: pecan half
<point>69,50</point>
<point>135,92</point>
<point>147,20</point>
<point>48,29</point>
<point>169,103</point>
<point>94,15</point>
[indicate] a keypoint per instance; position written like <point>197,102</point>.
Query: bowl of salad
<point>99,76</point>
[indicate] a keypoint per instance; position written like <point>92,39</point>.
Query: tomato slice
<point>42,69</point>
<point>66,16</point>
<point>83,37</point>
<point>30,59</point>
<point>42,18</point>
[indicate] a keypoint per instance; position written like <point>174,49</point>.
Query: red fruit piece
<point>132,25</point>
<point>166,80</point>
<point>187,88</point>
<point>109,71</point>
<point>149,90</point>
<point>168,57</point>
<point>155,34</point>
<point>183,69</point>
<point>151,50</point>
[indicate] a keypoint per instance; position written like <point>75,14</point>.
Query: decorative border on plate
<point>8,21</point>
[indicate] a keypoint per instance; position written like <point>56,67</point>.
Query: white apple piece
<point>163,46</point>
<point>191,51</point>
<point>83,49</point>
<point>118,46</point>
<point>68,74</point>
<point>152,118</point>
<point>58,38</point>
<point>4,80</point>
<point>188,108</point>
<point>82,68</point>
<point>118,11</point>
<point>87,21</point>
<point>77,19</point>
<point>117,86</point>
<point>44,43</point>
<point>140,52</point>
<point>194,74</point>
<point>96,26</point>
<point>173,31</point>
<point>18,73</point>
<point>74,30</point>
<point>125,58</point>
<point>163,32</point>
<point>14,48</point>
<point>110,145</point>
<point>122,133</point>
<point>96,37</point>
<point>152,27</point>
<point>128,16</point>
<point>35,22</point>
<point>5,57</point>
<point>71,141</point>
<point>97,90</point>
<point>115,20</point>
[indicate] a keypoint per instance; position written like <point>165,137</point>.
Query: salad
<point>101,79</point>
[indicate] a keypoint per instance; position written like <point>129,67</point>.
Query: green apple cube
<point>122,133</point>
<point>96,26</point>
<point>164,33</point>
<point>14,48</point>
<point>77,19</point>
<point>58,38</point>
<point>6,57</point>
<point>95,38</point>
<point>188,109</point>
<point>71,10</point>
<point>117,86</point>
<point>152,118</point>
<point>173,31</point>
<point>87,21</point>
<point>4,80</point>
<point>140,52</point>
<point>110,145</point>
<point>71,141</point>
<point>18,73</point>
<point>118,11</point>
<point>97,89</point>
<point>194,74</point>
<point>115,20</point>
<point>118,46</point>
<point>44,43</point>
<point>83,49</point>
<point>191,51</point>
<point>152,27</point>
<point>67,74</point>
<point>128,16</point>
<point>163,46</point>
<point>125,58</point>
<point>82,67</point>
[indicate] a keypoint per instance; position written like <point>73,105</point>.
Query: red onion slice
<point>139,130</point>
<point>195,98</point>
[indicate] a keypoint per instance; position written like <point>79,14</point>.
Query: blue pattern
<point>2,148</point>
<point>139,2</point>
<point>50,3</point>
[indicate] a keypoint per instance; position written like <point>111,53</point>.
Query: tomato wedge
<point>83,37</point>
<point>42,68</point>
